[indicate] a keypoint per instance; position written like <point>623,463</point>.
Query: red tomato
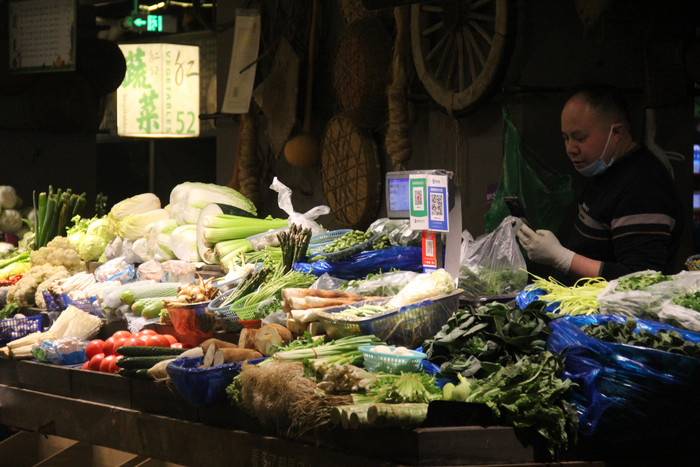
<point>119,343</point>
<point>95,362</point>
<point>108,346</point>
<point>157,340</point>
<point>86,365</point>
<point>135,341</point>
<point>172,339</point>
<point>146,332</point>
<point>93,347</point>
<point>180,345</point>
<point>113,368</point>
<point>123,333</point>
<point>106,362</point>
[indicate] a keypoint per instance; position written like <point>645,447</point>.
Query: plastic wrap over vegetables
<point>492,264</point>
<point>408,258</point>
<point>643,294</point>
<point>623,387</point>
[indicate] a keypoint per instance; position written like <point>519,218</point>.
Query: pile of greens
<point>528,393</point>
<point>640,281</point>
<point>690,300</point>
<point>627,333</point>
<point>479,341</point>
<point>498,355</point>
<point>491,282</point>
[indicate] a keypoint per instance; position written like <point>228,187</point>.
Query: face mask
<point>598,166</point>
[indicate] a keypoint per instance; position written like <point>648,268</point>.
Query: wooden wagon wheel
<point>460,49</point>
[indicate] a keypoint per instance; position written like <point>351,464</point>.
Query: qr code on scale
<point>436,205</point>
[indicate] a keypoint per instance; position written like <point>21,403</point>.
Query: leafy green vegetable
<point>406,387</point>
<point>479,341</point>
<point>627,333</point>
<point>529,393</point>
<point>690,300</point>
<point>640,281</point>
<point>491,282</point>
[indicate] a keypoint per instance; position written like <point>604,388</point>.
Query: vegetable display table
<point>149,419</point>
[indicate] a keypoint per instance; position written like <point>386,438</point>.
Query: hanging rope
<point>397,140</point>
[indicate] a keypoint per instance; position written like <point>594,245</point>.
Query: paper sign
<point>159,96</point>
<point>241,72</point>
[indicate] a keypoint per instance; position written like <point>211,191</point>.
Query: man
<point>630,216</point>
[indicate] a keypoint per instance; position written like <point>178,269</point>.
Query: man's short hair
<point>603,98</point>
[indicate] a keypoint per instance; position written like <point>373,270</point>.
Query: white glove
<point>544,248</point>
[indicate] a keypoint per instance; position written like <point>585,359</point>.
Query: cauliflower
<point>59,252</point>
<point>23,292</point>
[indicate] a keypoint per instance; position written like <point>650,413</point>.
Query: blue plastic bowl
<point>201,386</point>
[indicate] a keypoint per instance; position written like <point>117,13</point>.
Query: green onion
<point>335,347</point>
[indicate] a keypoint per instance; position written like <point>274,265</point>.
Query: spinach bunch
<point>627,333</point>
<point>479,341</point>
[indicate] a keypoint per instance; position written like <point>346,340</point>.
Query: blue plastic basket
<point>14,328</point>
<point>53,303</point>
<point>391,363</point>
<point>87,304</point>
<point>366,245</point>
<point>318,242</point>
<point>408,326</point>
<point>201,386</point>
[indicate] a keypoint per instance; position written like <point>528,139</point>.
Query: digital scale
<point>431,203</point>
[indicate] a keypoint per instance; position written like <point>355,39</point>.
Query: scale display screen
<point>398,195</point>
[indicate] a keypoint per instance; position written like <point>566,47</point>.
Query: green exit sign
<point>153,23</point>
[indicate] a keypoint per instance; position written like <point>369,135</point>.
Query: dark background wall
<point>641,46</point>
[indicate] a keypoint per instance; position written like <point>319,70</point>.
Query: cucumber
<point>152,310</point>
<point>147,351</point>
<point>141,373</point>
<point>135,363</point>
<point>151,303</point>
<point>146,290</point>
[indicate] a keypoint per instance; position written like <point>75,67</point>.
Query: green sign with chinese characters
<point>159,96</point>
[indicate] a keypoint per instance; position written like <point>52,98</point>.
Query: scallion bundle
<point>335,347</point>
<point>54,213</point>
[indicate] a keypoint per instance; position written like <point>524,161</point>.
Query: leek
<point>227,247</point>
<point>219,227</point>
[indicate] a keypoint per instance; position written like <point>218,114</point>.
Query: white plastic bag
<point>492,264</point>
<point>647,303</point>
<point>306,220</point>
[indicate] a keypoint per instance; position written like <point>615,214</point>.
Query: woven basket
<point>362,71</point>
<point>350,173</point>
